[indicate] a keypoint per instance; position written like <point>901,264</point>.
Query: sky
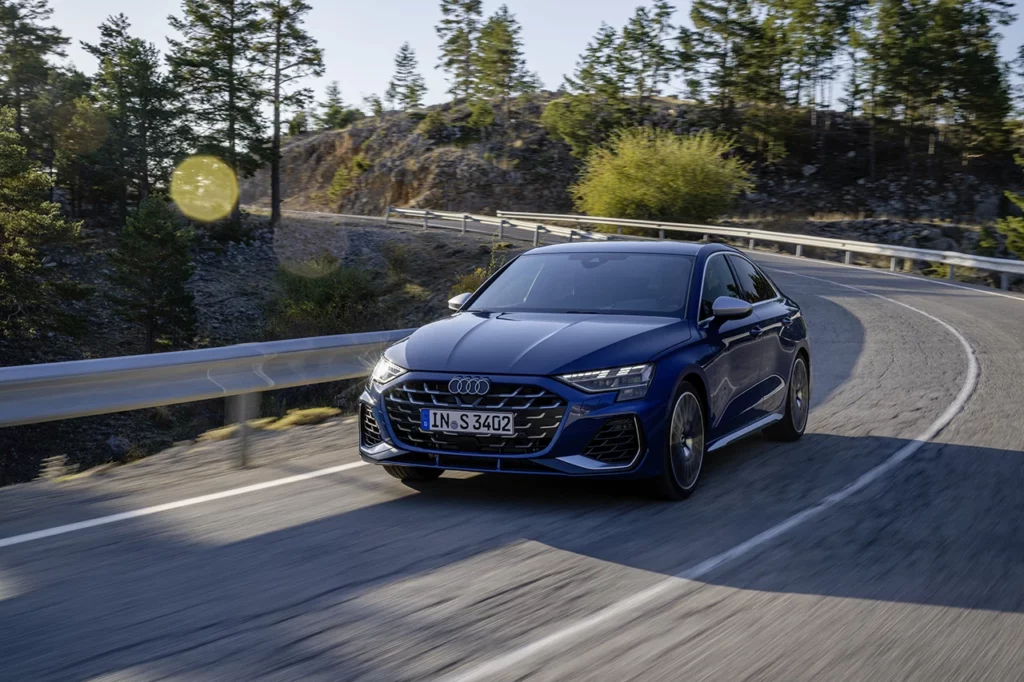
<point>361,37</point>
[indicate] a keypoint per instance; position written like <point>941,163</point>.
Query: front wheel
<point>413,474</point>
<point>684,449</point>
<point>798,405</point>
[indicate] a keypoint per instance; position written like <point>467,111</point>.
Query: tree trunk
<point>275,149</point>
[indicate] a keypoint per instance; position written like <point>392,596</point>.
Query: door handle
<point>756,331</point>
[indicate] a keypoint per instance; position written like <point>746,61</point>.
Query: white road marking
<point>159,508</point>
<point>978,290</point>
<point>612,615</point>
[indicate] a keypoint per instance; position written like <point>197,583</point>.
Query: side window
<point>754,284</point>
<point>718,281</point>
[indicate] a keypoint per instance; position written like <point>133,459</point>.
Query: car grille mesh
<point>369,430</point>
<point>616,442</point>
<point>538,413</point>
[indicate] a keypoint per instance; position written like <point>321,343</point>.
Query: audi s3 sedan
<point>616,359</point>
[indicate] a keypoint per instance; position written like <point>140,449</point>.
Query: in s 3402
<point>616,359</point>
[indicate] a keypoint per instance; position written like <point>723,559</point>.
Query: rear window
<point>596,282</point>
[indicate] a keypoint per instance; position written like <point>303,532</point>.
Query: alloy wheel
<point>799,395</point>
<point>686,444</point>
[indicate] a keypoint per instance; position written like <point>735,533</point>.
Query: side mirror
<point>456,302</point>
<point>729,308</point>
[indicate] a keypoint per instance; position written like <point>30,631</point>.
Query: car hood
<point>537,343</point>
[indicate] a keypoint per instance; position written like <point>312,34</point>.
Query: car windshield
<point>595,282</point>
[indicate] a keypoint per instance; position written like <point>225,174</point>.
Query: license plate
<point>464,421</point>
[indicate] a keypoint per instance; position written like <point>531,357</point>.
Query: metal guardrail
<point>506,227</point>
<point>1003,266</point>
<point>31,394</point>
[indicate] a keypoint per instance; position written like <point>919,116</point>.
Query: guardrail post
<point>706,238</point>
<point>426,220</point>
<point>661,234</point>
<point>1004,280</point>
<point>501,228</point>
<point>242,408</point>
<point>619,230</point>
<point>751,244</point>
<point>848,258</point>
<point>952,273</point>
<point>799,249</point>
<point>387,217</point>
<point>572,233</point>
<point>464,219</point>
<point>892,264</point>
<point>536,235</point>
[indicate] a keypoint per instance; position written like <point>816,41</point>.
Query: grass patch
<point>296,417</point>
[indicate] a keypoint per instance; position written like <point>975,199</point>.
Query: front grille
<point>616,442</point>
<point>474,463</point>
<point>538,412</point>
<point>369,430</point>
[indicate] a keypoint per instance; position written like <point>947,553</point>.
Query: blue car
<point>616,359</point>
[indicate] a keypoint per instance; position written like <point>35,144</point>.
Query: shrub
<point>433,125</point>
<point>471,281</point>
<point>397,258</point>
<point>1012,227</point>
<point>651,174</point>
<point>582,121</point>
<point>320,297</point>
<point>481,115</point>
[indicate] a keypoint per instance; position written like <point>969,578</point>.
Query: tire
<point>413,474</point>
<point>798,404</point>
<point>684,445</point>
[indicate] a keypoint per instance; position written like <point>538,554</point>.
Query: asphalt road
<point>917,574</point>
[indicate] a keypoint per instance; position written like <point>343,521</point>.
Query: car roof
<point>668,246</point>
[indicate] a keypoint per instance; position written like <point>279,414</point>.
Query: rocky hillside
<point>436,159</point>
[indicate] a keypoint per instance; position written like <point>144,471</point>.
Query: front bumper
<point>567,453</point>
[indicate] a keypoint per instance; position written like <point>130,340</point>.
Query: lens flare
<point>204,188</point>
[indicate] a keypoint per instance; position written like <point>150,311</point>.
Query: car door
<point>772,316</point>
<point>733,362</point>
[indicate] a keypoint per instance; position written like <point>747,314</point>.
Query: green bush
<point>433,124</point>
<point>651,174</point>
<point>481,115</point>
<point>582,121</point>
<point>320,297</point>
<point>1012,227</point>
<point>471,281</point>
<point>397,258</point>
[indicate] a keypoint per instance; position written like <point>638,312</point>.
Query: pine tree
<point>299,124</point>
<point>334,115</point>
<point>500,62</point>
<point>142,109</point>
<point>288,53</point>
<point>459,31</point>
<point>598,70</point>
<point>407,86</point>
<point>722,29</point>
<point>26,222</point>
<point>375,105</point>
<point>646,60</point>
<point>26,47</point>
<point>151,269</point>
<point>214,67</point>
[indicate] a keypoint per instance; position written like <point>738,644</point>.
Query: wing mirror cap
<point>456,302</point>
<point>729,308</point>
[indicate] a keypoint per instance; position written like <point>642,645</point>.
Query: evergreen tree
<point>334,115</point>
<point>407,86</point>
<point>214,66</point>
<point>142,109</point>
<point>26,47</point>
<point>27,221</point>
<point>459,31</point>
<point>723,27</point>
<point>375,104</point>
<point>299,124</point>
<point>598,70</point>
<point>288,53</point>
<point>500,62</point>
<point>151,269</point>
<point>645,59</point>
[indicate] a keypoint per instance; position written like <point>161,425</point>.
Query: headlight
<point>386,370</point>
<point>630,382</point>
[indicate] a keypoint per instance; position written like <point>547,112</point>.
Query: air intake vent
<point>369,430</point>
<point>617,442</point>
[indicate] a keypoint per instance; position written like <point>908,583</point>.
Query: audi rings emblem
<point>469,386</point>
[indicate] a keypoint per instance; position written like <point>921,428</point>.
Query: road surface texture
<point>914,573</point>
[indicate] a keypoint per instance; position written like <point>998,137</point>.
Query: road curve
<point>351,576</point>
